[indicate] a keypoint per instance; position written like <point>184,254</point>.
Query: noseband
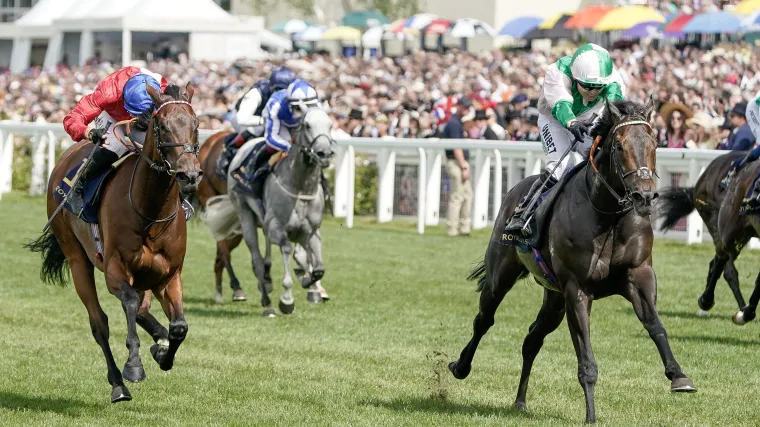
<point>642,173</point>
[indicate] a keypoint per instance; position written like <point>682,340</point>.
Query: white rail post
<point>351,154</point>
<point>6,165</point>
<point>52,144</point>
<point>37,182</point>
<point>421,187</point>
<point>496,183</point>
<point>433,187</point>
<point>480,190</point>
<point>386,171</point>
<point>340,198</point>
<point>694,224</point>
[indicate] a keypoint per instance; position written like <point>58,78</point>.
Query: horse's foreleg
<point>149,323</point>
<point>732,277</point>
<point>706,301</point>
<point>493,292</point>
<point>171,302</point>
<point>287,302</point>
<point>642,293</point>
<point>748,313</point>
<point>549,317</point>
<point>578,308</point>
<point>218,269</point>
<point>268,265</point>
<point>84,281</point>
<point>119,284</point>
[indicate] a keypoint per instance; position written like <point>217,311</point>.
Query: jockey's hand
<point>579,129</point>
<point>97,136</point>
<point>143,120</point>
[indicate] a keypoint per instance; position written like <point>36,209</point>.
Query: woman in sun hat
<point>676,133</point>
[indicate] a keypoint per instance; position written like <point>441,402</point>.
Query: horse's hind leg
<point>732,277</point>
<point>268,266</point>
<point>224,253</point>
<point>119,285</point>
<point>218,269</point>
<point>497,284</point>
<point>84,281</point>
<point>251,236</point>
<point>707,300</point>
<point>549,317</point>
<point>748,313</point>
<point>171,302</point>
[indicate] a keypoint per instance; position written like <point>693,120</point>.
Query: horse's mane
<point>626,108</point>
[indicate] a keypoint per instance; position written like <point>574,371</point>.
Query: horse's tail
<point>479,274</point>
<point>55,267</point>
<point>674,204</point>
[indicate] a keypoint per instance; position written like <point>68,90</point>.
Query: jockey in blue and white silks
<point>283,112</point>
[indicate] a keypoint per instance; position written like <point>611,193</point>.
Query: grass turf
<point>375,354</point>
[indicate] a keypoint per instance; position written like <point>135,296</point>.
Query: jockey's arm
<point>246,114</point>
<point>558,94</point>
<point>616,90</point>
<point>87,109</point>
<point>273,128</point>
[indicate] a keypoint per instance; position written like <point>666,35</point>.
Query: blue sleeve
<point>272,130</point>
<point>754,154</point>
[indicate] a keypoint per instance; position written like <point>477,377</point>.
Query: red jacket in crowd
<point>107,97</point>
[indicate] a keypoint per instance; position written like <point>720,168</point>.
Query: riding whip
<point>74,184</point>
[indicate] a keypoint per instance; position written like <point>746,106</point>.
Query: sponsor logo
<point>546,135</point>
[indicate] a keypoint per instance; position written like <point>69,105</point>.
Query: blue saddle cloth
<point>747,208</point>
<point>92,190</point>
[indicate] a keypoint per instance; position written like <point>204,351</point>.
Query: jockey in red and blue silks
<point>120,96</point>
<point>248,120</point>
<point>283,112</point>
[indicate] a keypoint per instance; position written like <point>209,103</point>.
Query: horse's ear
<point>189,91</point>
<point>649,109</point>
<point>616,116</point>
<point>154,94</point>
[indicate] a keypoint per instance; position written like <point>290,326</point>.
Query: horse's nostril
<point>181,176</point>
<point>655,195</point>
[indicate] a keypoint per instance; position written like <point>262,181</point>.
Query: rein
<point>625,201</point>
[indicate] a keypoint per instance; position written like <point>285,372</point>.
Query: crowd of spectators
<point>695,90</point>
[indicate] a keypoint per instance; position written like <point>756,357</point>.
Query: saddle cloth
<point>92,189</point>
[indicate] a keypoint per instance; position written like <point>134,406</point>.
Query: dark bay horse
<point>210,187</point>
<point>144,240</point>
<point>735,230</point>
<point>600,245</point>
<point>706,197</point>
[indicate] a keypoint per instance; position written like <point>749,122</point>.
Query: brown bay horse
<point>598,243</point>
<point>144,238</point>
<point>706,197</point>
<point>214,185</point>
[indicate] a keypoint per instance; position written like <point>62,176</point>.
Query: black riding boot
<point>101,159</point>
<point>259,169</point>
<point>754,197</point>
<point>521,213</point>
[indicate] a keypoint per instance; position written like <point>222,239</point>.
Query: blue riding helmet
<point>136,97</point>
<point>281,78</point>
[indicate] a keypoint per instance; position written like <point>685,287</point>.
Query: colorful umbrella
<point>642,30</point>
<point>372,38</point>
<point>626,17</point>
<point>713,23</point>
<point>419,21</point>
<point>676,25</point>
<point>746,7</point>
<point>438,26</point>
<point>558,31</point>
<point>519,27</point>
<point>587,17</point>
<point>342,33</point>
<point>751,22</point>
<point>553,20</point>
<point>468,27</point>
<point>363,19</point>
<point>291,26</point>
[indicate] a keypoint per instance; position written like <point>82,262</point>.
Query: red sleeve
<point>91,105</point>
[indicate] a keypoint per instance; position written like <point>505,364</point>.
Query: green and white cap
<point>592,64</point>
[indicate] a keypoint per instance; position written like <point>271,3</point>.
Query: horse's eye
<point>619,146</point>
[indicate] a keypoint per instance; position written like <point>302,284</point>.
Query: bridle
<point>307,148</point>
<point>642,173</point>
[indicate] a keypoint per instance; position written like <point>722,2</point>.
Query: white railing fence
<point>411,179</point>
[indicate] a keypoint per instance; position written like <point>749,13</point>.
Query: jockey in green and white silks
<point>573,93</point>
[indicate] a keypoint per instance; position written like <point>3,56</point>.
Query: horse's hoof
<point>705,305</point>
<point>133,374</point>
<point>269,312</point>
<point>738,318</point>
<point>520,406</point>
<point>238,295</point>
<point>682,385</point>
<point>287,308</point>
<point>158,352</point>
<point>119,393</point>
<point>459,371</point>
<point>702,313</point>
<point>268,286</point>
<point>218,299</point>
<point>314,297</point>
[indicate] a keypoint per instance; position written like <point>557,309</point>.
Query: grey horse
<point>293,205</point>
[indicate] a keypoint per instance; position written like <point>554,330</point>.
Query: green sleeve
<point>614,93</point>
<point>563,112</point>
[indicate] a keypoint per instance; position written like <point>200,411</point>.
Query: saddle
<point>92,189</point>
<point>240,173</point>
<point>539,221</point>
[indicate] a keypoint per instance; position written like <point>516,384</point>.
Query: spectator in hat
<point>458,169</point>
<point>675,116</point>
<point>741,138</point>
<point>355,122</point>
<point>702,125</point>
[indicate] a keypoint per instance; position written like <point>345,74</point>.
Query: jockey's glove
<point>143,120</point>
<point>579,129</point>
<point>97,136</point>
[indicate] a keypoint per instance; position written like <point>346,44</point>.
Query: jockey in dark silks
<point>753,120</point>
<point>248,119</point>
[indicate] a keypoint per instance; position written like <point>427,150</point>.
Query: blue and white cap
<point>301,97</point>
